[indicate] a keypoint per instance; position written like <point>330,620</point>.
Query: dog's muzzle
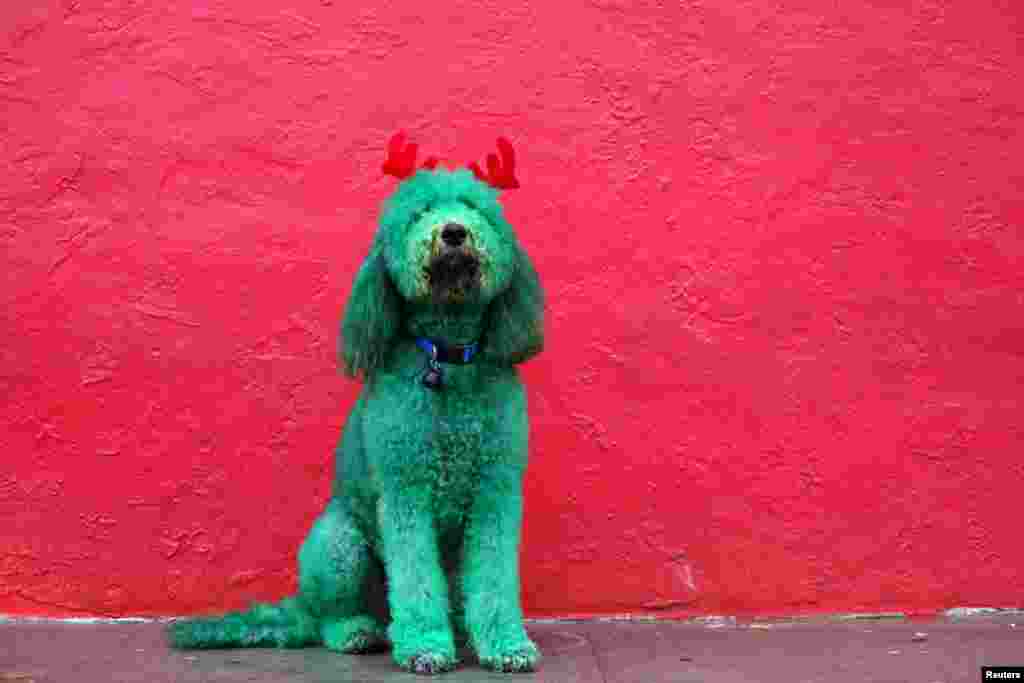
<point>454,269</point>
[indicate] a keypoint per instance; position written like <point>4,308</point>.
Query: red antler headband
<point>401,163</point>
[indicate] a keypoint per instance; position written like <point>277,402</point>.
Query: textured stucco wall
<point>781,241</point>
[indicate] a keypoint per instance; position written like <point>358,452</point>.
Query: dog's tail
<point>283,624</point>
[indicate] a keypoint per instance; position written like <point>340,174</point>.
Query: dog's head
<point>443,239</point>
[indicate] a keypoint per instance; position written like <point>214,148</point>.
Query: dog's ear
<point>515,319</point>
<point>372,317</point>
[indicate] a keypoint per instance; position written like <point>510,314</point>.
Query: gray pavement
<point>718,650</point>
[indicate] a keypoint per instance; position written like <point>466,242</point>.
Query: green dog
<point>429,469</point>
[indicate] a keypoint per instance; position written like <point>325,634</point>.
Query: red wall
<point>782,247</point>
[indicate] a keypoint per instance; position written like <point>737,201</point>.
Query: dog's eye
<point>422,212</point>
<point>468,204</point>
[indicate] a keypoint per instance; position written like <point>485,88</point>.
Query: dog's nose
<point>453,234</point>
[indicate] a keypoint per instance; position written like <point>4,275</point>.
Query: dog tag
<point>432,378</point>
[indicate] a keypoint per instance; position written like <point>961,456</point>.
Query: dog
<point>427,497</point>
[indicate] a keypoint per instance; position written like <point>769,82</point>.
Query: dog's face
<point>443,240</point>
<point>446,239</point>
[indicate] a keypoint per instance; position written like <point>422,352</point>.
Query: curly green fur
<point>428,483</point>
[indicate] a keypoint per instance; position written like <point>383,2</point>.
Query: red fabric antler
<point>501,175</point>
<point>401,161</point>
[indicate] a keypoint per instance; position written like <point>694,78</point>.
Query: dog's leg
<point>420,629</point>
<point>490,585</point>
<point>333,565</point>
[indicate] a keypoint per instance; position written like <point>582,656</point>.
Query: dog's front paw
<point>429,663</point>
<point>432,652</point>
<point>523,656</point>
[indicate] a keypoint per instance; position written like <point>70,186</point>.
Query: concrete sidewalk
<point>858,650</point>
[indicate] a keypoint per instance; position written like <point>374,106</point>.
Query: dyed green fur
<point>428,483</point>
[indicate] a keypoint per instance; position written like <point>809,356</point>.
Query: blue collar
<point>455,354</point>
